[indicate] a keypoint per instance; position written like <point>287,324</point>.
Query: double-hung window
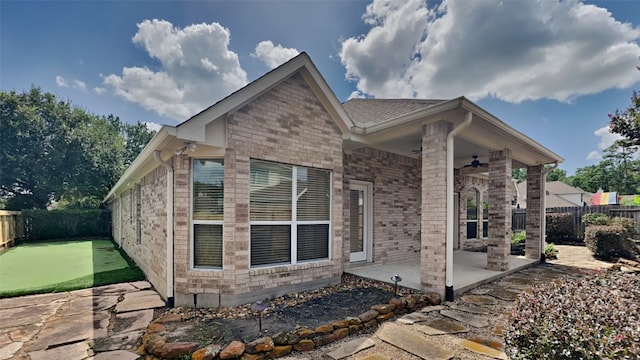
<point>208,211</point>
<point>290,210</point>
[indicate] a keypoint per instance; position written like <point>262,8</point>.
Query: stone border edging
<point>282,343</point>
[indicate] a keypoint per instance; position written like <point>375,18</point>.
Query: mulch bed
<point>351,297</point>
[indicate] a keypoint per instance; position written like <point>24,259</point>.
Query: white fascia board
<point>162,137</point>
<point>193,128</point>
<point>524,139</point>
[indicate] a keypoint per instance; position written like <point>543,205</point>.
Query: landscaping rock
<point>324,339</point>
<point>371,323</point>
<point>246,356</point>
<point>433,298</point>
<point>368,315</point>
<point>481,349</point>
<point>153,328</point>
<point>354,328</point>
<point>409,302</point>
<point>324,329</point>
<point>232,351</point>
<point>302,333</point>
<point>151,341</point>
<point>206,353</point>
<point>441,327</point>
<point>134,320</point>
<point>281,351</point>
<point>428,309</point>
<point>340,324</point>
<point>469,319</point>
<point>385,317</point>
<point>412,318</point>
<point>383,308</point>
<point>398,303</point>
<point>168,318</point>
<point>341,333</point>
<point>284,338</point>
<point>353,320</point>
<point>174,350</point>
<point>304,345</point>
<point>263,344</point>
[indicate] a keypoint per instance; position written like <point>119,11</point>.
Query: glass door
<point>360,217</point>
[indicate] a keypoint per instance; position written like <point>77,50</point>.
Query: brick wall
<point>150,252</point>
<point>288,125</point>
<point>499,243</point>
<point>534,212</point>
<point>434,221</point>
<point>396,202</point>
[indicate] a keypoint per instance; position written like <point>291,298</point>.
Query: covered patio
<point>469,271</point>
<point>456,147</point>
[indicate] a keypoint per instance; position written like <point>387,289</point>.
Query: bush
<point>518,238</point>
<point>65,224</point>
<point>550,251</point>
<point>595,219</point>
<point>626,223</point>
<point>609,242</point>
<point>594,318</point>
<point>560,228</point>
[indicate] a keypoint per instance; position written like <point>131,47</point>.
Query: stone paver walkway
<point>470,327</point>
<point>102,323</point>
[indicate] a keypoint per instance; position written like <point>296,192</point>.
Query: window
<point>208,212</point>
<point>289,219</point>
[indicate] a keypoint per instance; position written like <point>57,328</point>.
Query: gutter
<point>450,216</point>
<point>543,212</point>
<point>169,248</point>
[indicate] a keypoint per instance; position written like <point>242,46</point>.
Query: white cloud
<point>594,155</point>
<point>273,56</point>
<point>511,50</point>
<point>606,137</point>
<point>99,90</point>
<point>61,81</point>
<point>356,95</point>
<point>196,69</point>
<point>152,126</point>
<point>77,84</point>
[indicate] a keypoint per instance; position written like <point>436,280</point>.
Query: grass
<point>63,266</point>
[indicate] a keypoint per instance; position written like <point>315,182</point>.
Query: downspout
<point>167,165</point>
<point>448,280</point>
<point>543,212</point>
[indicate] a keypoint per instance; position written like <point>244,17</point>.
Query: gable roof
<point>367,112</point>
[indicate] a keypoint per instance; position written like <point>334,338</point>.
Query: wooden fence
<point>518,216</point>
<point>11,228</point>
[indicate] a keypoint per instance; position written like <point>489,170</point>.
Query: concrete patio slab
<point>83,305</point>
<point>31,300</point>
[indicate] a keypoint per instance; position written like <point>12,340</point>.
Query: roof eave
<point>165,133</point>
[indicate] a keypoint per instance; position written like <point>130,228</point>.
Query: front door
<point>360,221</point>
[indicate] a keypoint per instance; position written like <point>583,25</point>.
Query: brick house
<point>279,187</point>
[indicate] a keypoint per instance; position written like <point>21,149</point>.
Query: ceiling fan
<point>475,163</point>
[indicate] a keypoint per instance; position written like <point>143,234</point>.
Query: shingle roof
<point>368,112</point>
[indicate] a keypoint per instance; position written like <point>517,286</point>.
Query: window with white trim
<point>290,220</point>
<point>208,212</point>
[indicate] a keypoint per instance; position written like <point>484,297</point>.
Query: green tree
<point>557,174</point>
<point>519,174</point>
<point>53,151</point>
<point>627,122</point>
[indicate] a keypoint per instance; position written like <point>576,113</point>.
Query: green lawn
<point>63,266</point>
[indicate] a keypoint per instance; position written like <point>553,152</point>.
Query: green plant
<point>597,317</point>
<point>560,228</point>
<point>518,237</point>
<point>609,242</point>
<point>595,219</point>
<point>626,223</point>
<point>550,251</point>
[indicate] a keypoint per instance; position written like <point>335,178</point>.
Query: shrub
<point>518,238</point>
<point>626,223</point>
<point>595,219</point>
<point>597,317</point>
<point>65,224</point>
<point>609,242</point>
<point>550,251</point>
<point>560,228</point>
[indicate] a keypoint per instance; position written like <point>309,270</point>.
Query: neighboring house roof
<point>557,194</point>
<point>367,112</point>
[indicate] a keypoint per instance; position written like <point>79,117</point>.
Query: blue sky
<point>552,70</point>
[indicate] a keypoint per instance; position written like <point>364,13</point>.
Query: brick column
<point>534,212</point>
<point>434,206</point>
<point>499,243</point>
